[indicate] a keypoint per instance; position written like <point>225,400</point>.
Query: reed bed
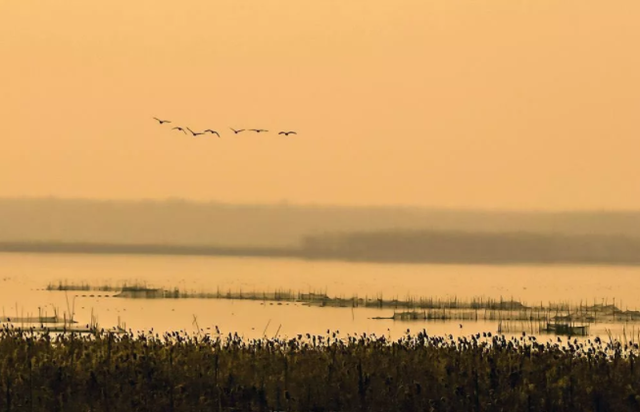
<point>478,308</point>
<point>61,286</point>
<point>180,372</point>
<point>142,290</point>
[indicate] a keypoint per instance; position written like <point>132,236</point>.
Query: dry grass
<point>176,372</point>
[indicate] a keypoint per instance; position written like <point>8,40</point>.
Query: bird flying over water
<point>178,128</point>
<point>236,131</point>
<point>195,133</point>
<point>212,132</point>
<point>162,121</point>
<point>288,133</point>
<point>258,130</point>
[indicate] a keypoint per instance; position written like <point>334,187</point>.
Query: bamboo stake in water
<point>264,332</point>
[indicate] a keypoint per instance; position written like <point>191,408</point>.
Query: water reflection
<point>22,276</point>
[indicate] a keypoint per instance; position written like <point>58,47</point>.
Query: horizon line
<point>320,205</point>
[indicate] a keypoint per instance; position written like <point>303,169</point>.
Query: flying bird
<point>258,130</point>
<point>212,132</point>
<point>236,131</point>
<point>162,121</point>
<point>178,128</point>
<point>195,133</point>
<point>288,133</point>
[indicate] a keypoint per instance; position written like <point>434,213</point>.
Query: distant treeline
<point>398,246</point>
<point>480,248</point>
<point>179,222</point>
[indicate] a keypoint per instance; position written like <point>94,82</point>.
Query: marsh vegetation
<point>407,309</point>
<point>179,372</point>
<point>266,365</point>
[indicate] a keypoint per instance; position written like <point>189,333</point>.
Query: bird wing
<point>293,132</point>
<point>282,133</point>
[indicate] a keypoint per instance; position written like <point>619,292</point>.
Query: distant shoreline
<point>145,249</point>
<point>284,253</point>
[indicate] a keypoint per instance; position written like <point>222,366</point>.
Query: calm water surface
<point>23,276</point>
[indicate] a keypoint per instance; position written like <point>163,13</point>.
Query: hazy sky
<point>463,103</point>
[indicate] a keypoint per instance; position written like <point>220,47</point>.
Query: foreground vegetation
<point>176,372</point>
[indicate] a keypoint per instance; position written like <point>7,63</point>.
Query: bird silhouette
<point>236,131</point>
<point>162,121</point>
<point>212,132</point>
<point>195,133</point>
<point>178,128</point>
<point>258,130</point>
<point>288,133</point>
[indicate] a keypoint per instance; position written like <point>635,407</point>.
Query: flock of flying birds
<point>235,131</point>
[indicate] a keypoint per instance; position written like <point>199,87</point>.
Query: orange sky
<point>519,104</point>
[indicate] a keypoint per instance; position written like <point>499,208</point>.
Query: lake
<point>24,276</point>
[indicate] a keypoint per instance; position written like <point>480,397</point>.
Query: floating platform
<point>567,329</point>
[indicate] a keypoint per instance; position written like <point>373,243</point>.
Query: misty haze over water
<point>408,234</point>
